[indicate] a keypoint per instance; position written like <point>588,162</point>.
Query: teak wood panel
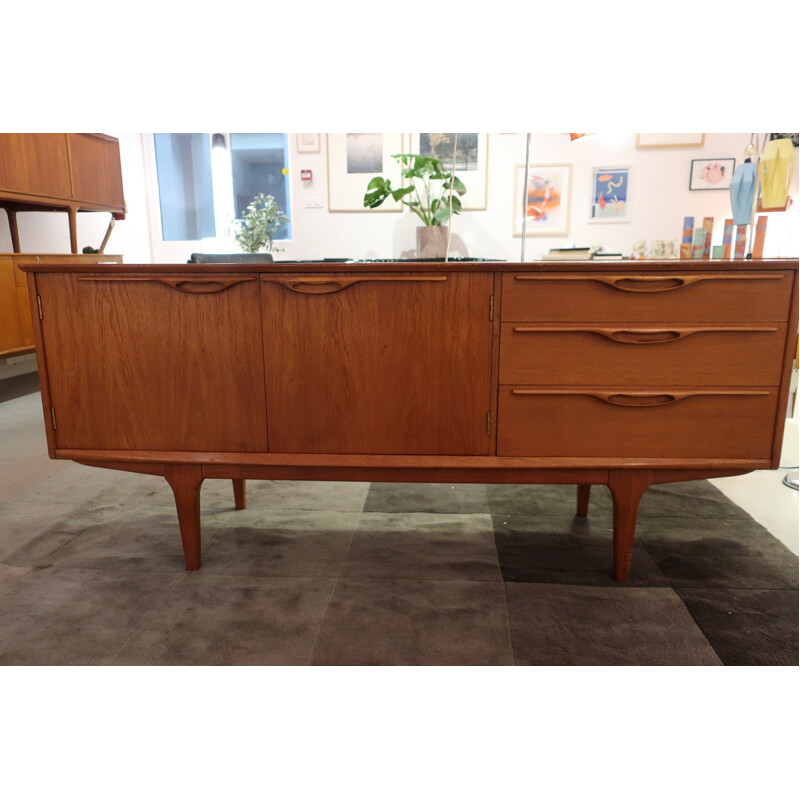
<point>154,363</point>
<point>619,422</point>
<point>642,355</point>
<point>378,363</point>
<point>96,170</point>
<point>648,298</point>
<point>35,164</point>
<point>10,324</point>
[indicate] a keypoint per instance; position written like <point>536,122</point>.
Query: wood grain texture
<point>747,354</point>
<point>140,365</point>
<point>381,366</point>
<point>95,170</point>
<point>35,164</point>
<point>185,481</point>
<point>578,422</point>
<point>627,488</point>
<point>701,297</point>
<point>11,337</point>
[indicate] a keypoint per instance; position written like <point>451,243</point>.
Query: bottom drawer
<point>618,423</point>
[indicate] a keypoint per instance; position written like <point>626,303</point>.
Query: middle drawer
<point>584,354</point>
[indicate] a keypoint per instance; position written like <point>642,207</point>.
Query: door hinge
<point>491,307</point>
<point>53,416</point>
<point>488,423</point>
<point>39,303</point>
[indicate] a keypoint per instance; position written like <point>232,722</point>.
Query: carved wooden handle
<point>186,285</point>
<point>651,284</point>
<point>316,285</point>
<point>639,399</point>
<point>643,335</point>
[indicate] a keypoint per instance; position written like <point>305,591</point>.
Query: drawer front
<point>744,355</point>
<point>600,297</point>
<point>619,423</point>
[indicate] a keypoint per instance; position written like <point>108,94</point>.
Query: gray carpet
<point>92,572</point>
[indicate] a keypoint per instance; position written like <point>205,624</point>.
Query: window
<point>205,181</point>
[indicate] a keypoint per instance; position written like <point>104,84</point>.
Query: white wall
<point>659,200</point>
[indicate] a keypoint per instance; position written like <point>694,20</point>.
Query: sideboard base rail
<point>627,486</point>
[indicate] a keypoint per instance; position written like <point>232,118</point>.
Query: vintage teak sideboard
<point>626,374</point>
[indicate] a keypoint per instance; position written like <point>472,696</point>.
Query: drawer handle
<point>640,399</point>
<point>186,285</point>
<point>649,285</point>
<point>642,335</point>
<point>331,285</point>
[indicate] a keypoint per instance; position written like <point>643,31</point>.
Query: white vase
<point>432,241</point>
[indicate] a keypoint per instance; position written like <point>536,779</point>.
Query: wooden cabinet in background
<point>60,171</point>
<point>16,328</point>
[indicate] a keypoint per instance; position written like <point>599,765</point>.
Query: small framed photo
<point>610,194</point>
<point>711,173</point>
<point>308,143</point>
<point>670,139</point>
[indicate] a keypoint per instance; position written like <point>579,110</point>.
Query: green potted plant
<point>260,221</point>
<point>430,194</point>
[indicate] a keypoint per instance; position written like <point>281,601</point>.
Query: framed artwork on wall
<point>308,143</point>
<point>354,159</point>
<point>711,173</point>
<point>472,161</point>
<point>610,194</point>
<point>545,201</point>
<point>670,139</point>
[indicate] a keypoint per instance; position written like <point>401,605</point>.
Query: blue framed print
<point>610,194</point>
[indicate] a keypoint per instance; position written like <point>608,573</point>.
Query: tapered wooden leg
<point>627,487</point>
<point>185,480</point>
<point>73,228</point>
<point>239,493</point>
<point>584,492</point>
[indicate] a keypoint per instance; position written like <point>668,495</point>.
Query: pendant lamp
<point>743,187</point>
<point>776,170</point>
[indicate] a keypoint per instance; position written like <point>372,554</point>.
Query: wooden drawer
<point>733,355</point>
<point>645,297</point>
<point>615,422</point>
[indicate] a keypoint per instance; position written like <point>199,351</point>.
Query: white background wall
<point>659,200</point>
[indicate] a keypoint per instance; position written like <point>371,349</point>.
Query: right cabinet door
<point>378,364</point>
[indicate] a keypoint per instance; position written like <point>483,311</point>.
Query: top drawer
<point>647,297</point>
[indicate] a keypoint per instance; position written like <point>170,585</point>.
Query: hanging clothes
<point>743,187</point>
<point>776,170</point>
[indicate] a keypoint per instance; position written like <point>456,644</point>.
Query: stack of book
<point>568,254</point>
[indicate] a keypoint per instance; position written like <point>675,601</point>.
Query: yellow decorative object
<point>776,170</point>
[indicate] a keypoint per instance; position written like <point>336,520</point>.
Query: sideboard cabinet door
<point>389,363</point>
<point>154,363</point>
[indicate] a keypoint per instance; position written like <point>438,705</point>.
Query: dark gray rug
<point>92,572</point>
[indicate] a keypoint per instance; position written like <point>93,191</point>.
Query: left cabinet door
<point>145,362</point>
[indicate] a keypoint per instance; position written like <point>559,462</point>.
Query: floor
<point>333,588</point>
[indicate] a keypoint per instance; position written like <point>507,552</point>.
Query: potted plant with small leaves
<point>261,219</point>
<point>432,194</point>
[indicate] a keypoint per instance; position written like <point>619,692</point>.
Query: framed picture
<point>472,162</point>
<point>670,139</point>
<point>711,173</point>
<point>308,143</point>
<point>545,200</point>
<point>610,194</point>
<point>354,159</point>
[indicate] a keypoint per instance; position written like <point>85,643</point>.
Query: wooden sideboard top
<point>640,265</point>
